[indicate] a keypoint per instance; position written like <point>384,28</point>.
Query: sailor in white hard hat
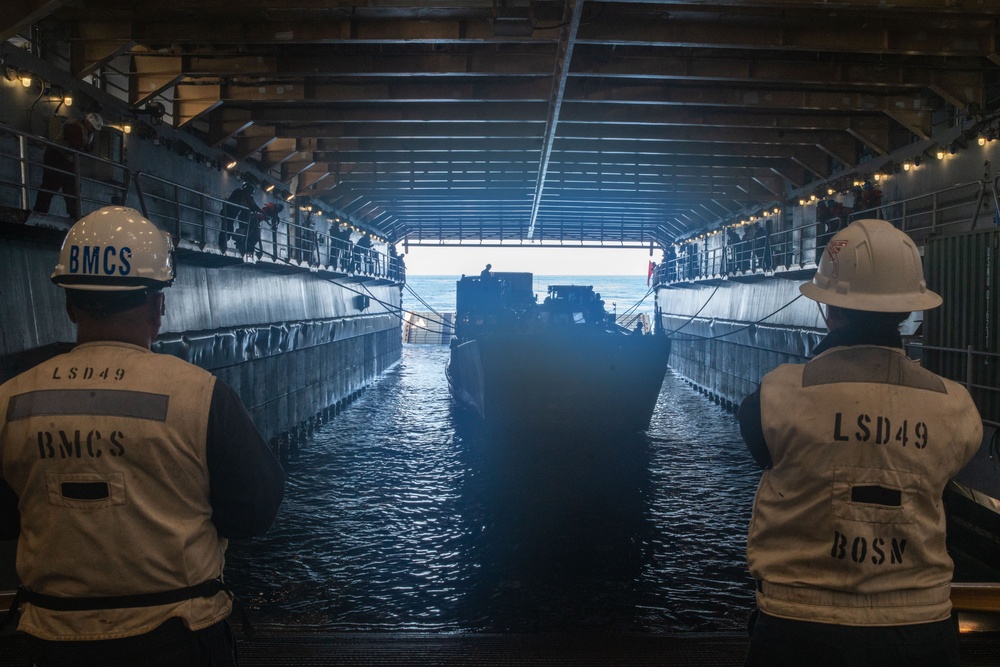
<point>131,470</point>
<point>847,537</point>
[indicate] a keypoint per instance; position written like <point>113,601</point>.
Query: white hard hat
<point>870,265</point>
<point>95,120</point>
<point>115,249</point>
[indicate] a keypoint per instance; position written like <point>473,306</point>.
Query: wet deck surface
<point>272,647</point>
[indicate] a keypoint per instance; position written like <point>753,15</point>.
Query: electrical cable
<point>696,337</point>
<point>445,327</point>
<point>421,300</point>
<point>393,309</point>
<point>703,306</point>
<point>638,303</point>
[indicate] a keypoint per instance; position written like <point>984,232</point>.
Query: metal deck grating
<point>274,647</point>
<point>445,650</point>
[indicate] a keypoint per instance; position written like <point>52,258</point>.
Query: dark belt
<point>205,589</point>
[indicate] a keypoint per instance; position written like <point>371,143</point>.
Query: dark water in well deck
<point>400,515</point>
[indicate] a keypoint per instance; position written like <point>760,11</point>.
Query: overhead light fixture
<point>269,187</point>
<point>68,99</point>
<point>25,78</point>
<point>982,140</point>
<point>127,128</point>
<point>939,154</point>
<point>231,165</point>
<point>907,165</point>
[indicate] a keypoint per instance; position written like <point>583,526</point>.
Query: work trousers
<point>780,642</point>
<point>252,242</point>
<point>58,176</point>
<point>169,645</point>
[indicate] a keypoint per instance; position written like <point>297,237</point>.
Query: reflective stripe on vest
<point>106,449</point>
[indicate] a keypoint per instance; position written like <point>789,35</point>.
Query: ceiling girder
<point>224,124</point>
<point>253,140</point>
<point>96,44</point>
<point>624,120</point>
<point>20,16</point>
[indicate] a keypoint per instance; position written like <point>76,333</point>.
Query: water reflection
<point>403,514</point>
<point>560,532</point>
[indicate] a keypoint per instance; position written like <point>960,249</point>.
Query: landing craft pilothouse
<point>563,364</point>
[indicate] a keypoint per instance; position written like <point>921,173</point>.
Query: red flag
<point>649,275</point>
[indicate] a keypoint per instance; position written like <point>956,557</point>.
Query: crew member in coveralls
<point>847,538</point>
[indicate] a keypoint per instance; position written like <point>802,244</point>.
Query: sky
<point>555,261</point>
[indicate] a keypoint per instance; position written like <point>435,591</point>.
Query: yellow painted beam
<point>254,139</point>
<point>976,597</point>
<point>151,74</point>
<point>97,43</point>
<point>191,101</point>
<point>872,132</point>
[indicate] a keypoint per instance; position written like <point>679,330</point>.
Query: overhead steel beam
<point>252,140</point>
<point>564,57</point>
<point>452,110</point>
<point>810,30</point>
<point>96,44</point>
<point>19,16</point>
<point>765,67</point>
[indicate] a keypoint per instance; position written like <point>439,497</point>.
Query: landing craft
<point>563,364</point>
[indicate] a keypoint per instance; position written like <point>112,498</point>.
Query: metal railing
<point>88,180</point>
<point>724,254</point>
<point>933,212</point>
<point>196,219</point>
<point>979,371</point>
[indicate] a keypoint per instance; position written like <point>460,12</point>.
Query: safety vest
<point>105,448</point>
<point>848,525</point>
